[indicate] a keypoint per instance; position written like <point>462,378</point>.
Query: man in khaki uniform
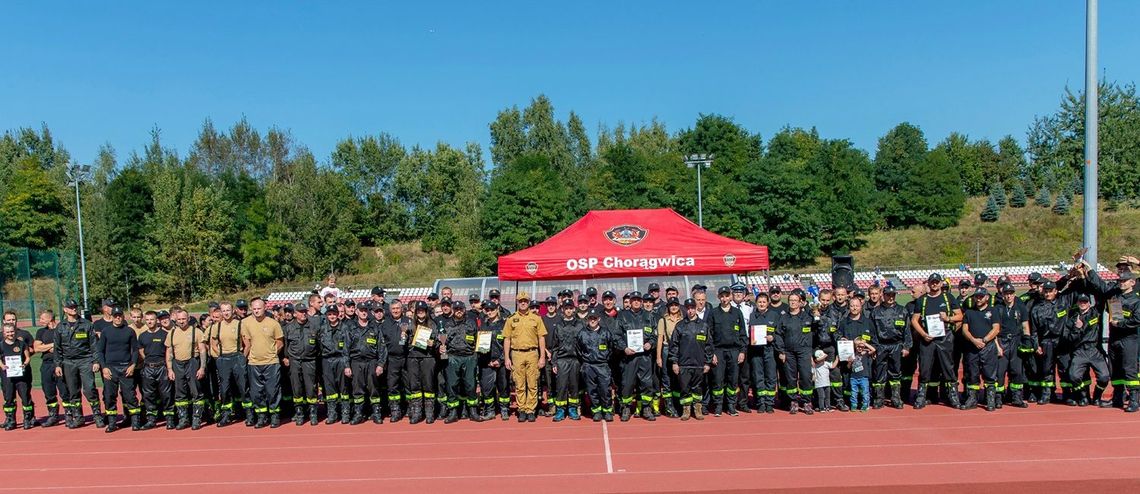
<point>226,350</point>
<point>524,348</point>
<point>186,364</point>
<point>263,340</point>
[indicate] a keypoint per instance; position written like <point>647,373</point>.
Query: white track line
<point>844,466</point>
<point>606,439</point>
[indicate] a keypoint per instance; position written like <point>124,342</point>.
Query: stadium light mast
<point>76,175</point>
<point>1091,121</point>
<point>699,161</point>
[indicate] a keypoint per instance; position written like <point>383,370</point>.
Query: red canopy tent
<point>634,242</point>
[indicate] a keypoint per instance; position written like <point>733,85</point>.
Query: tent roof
<point>632,242</point>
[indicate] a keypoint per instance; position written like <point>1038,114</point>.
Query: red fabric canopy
<point>634,242</point>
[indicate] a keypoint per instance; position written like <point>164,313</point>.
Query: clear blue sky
<point>107,72</point>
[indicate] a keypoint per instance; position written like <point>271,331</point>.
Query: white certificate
<point>759,335</point>
<point>483,342</point>
<point>846,350</point>
<point>15,366</point>
<point>422,337</point>
<point>635,340</point>
<point>934,326</point>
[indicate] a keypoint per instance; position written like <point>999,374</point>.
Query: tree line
<point>244,208</point>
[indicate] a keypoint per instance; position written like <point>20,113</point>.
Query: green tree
<point>453,186</point>
<point>777,214</point>
<point>932,194</point>
<point>842,195</point>
<point>964,155</point>
<point>129,202</point>
<point>32,213</point>
<point>1063,205</point>
<point>997,192</point>
<point>370,166</point>
<point>1010,161</point>
<point>736,150</point>
<point>1017,198</point>
<point>899,155</point>
<point>992,210</point>
<point>1044,198</point>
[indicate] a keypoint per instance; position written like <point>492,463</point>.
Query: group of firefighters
<point>590,353</point>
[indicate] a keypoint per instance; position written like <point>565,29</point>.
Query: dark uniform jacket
<point>1087,336</point>
<point>496,353</point>
<point>892,325</point>
<point>565,341</point>
<point>727,328</point>
<point>334,340</point>
<point>365,343</point>
<point>74,341</point>
<point>460,337</point>
<point>397,333</point>
<point>301,341</point>
<point>691,345</point>
<point>795,332</point>
<point>595,347</point>
<point>433,343</point>
<point>628,320</point>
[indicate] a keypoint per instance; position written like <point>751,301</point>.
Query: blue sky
<point>107,72</point>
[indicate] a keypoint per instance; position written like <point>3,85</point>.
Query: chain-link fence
<point>34,280</point>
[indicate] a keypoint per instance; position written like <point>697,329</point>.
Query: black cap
<point>625,297</point>
<point>890,290</point>
<point>858,293</point>
<point>724,290</point>
<point>109,302</point>
<point>1048,285</point>
<point>365,306</point>
<point>287,307</point>
<point>1003,279</point>
<point>690,302</point>
<point>699,287</point>
<point>739,287</point>
<point>301,307</point>
<point>565,292</point>
<point>350,303</point>
<point>673,301</point>
<point>594,314</point>
<point>490,306</point>
<point>445,301</point>
<point>1008,288</point>
<point>775,289</point>
<point>213,305</point>
<point>648,299</point>
<point>964,284</point>
<point>1127,275</point>
<point>591,292</point>
<point>458,305</point>
<point>71,304</point>
<point>1035,277</point>
<point>934,278</point>
<point>653,287</point>
<point>551,300</point>
<point>421,305</point>
<point>494,293</point>
<point>608,294</point>
<point>1084,297</point>
<point>672,288</point>
<point>980,279</point>
<point>435,296</point>
<point>568,304</point>
<point>583,299</point>
<point>116,311</point>
<point>799,292</point>
<point>980,291</point>
<point>378,291</point>
<point>332,309</point>
<point>474,297</point>
<point>533,305</point>
<point>161,314</point>
<point>241,304</point>
<point>635,295</point>
<point>377,306</point>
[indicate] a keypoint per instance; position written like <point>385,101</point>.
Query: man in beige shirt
<point>263,340</point>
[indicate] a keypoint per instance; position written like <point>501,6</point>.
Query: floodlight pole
<point>699,161</point>
<point>77,174</point>
<point>1091,121</point>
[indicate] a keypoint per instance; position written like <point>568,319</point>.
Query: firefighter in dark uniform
<point>458,342</point>
<point>302,350</point>
<point>230,365</point>
<point>762,356</point>
<point>691,356</point>
<point>396,329</point>
<point>1123,339</point>
<point>16,347</point>
<point>594,347</point>
<point>636,364</point>
<point>1013,318</point>
<point>546,385</point>
<point>155,384</point>
<point>367,354</point>
<point>494,383</point>
<point>117,352</point>
<point>980,327</point>
<point>334,339</point>
<point>44,345</point>
<point>729,339</point>
<point>609,311</point>
<point>75,363</point>
<point>1044,323</point>
<point>440,389</point>
<point>935,351</point>
<point>420,364</point>
<point>793,342</point>
<point>1082,329</point>
<point>567,369</point>
<point>910,361</point>
<point>186,366</point>
<point>893,334</point>
<point>746,307</point>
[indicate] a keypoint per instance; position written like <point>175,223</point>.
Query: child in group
<point>860,366</point>
<point>821,375</point>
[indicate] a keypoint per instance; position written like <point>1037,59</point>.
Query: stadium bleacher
<point>404,294</point>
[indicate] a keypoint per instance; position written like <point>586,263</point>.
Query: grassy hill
<point>1028,234</point>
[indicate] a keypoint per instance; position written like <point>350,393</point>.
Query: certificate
<point>635,340</point>
<point>1115,310</point>
<point>422,337</point>
<point>483,342</point>
<point>15,366</point>
<point>759,335</point>
<point>846,350</point>
<point>934,326</point>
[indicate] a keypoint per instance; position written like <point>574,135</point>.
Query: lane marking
<point>609,456</point>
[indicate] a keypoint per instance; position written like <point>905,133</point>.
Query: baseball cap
<point>980,291</point>
<point>738,287</point>
<point>565,292</point>
<point>591,292</point>
<point>594,314</point>
<point>964,284</point>
<point>724,290</point>
<point>858,293</point>
<point>568,304</point>
<point>649,299</point>
<point>980,279</point>
<point>690,302</point>
<point>71,304</point>
<point>287,308</point>
<point>377,291</point>
<point>819,354</point>
<point>435,296</point>
<point>421,305</point>
<point>109,302</point>
<point>350,303</point>
<point>490,306</point>
<point>474,297</point>
<point>523,296</point>
<point>583,299</point>
<point>494,293</point>
<point>608,294</point>
<point>458,305</point>
<point>934,278</point>
<point>551,300</point>
<point>775,289</point>
<point>1084,297</point>
<point>1127,275</point>
<point>241,304</point>
<point>116,311</point>
<point>1035,277</point>
<point>161,314</point>
<point>377,306</point>
<point>1008,288</point>
<point>674,301</point>
<point>653,287</point>
<point>301,307</point>
<point>890,290</point>
<point>213,305</point>
<point>1049,285</point>
<point>331,309</point>
<point>699,287</point>
<point>635,295</point>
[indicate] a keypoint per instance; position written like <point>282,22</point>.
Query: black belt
<point>524,349</point>
<point>231,354</point>
<point>155,365</point>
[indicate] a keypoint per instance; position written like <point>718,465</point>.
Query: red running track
<point>1054,448</point>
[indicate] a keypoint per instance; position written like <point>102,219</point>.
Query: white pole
<point>1091,122</point>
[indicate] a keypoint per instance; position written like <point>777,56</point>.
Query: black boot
<point>313,412</point>
<point>627,412</point>
<point>394,412</point>
<point>151,422</point>
<point>1015,398</point>
<point>331,417</point>
<point>415,410</point>
<point>1133,400</point>
<point>990,398</point>
<point>878,398</point>
<point>1118,396</point>
<point>9,420</point>
<point>971,399</point>
<point>505,410</point>
<point>357,414</point>
<point>730,407</point>
<point>647,411</point>
<point>52,417</point>
<point>345,412</point>
<point>473,413</point>
<point>196,417</point>
<point>225,418</point>
<point>171,420</point>
<point>69,418</point>
<point>377,414</point>
<point>183,417</point>
<point>29,419</point>
<point>452,415</point>
<point>920,397</point>
<point>112,422</point>
<point>429,411</point>
<point>488,410</point>
<point>96,414</point>
<point>951,392</point>
<point>670,410</point>
<point>299,414</point>
<point>274,420</point>
<point>262,421</point>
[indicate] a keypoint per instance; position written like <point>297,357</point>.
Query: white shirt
<point>821,374</point>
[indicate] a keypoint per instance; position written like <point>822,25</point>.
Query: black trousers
<point>798,366</point>
<point>52,386</point>
<point>461,380</point>
<point>396,378</point>
<point>17,386</point>
<point>364,382</point>
<point>265,387</point>
<point>156,389</point>
<point>637,376</point>
<point>1123,354</point>
<point>187,388</point>
<point>725,376</point>
<point>1046,376</point>
<point>547,382</point>
<point>566,381</point>
<point>1010,368</point>
<point>909,367</point>
<point>421,378</point>
<point>692,380</point>
<point>494,383</point>
<point>303,380</point>
<point>233,381</point>
<point>77,375</point>
<point>981,365</point>
<point>1084,358</point>
<point>123,385</point>
<point>888,364</point>
<point>934,361</point>
<point>665,379</point>
<point>598,380</point>
<point>762,364</point>
<point>336,385</point>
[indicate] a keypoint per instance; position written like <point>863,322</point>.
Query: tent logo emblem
<point>531,268</point>
<point>729,260</point>
<point>626,235</point>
